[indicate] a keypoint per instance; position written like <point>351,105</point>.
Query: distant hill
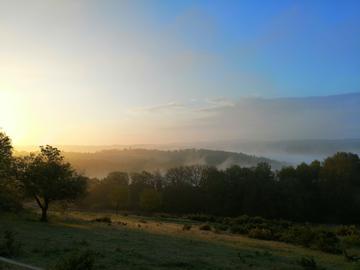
<point>99,164</point>
<point>291,151</point>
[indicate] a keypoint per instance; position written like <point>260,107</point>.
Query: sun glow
<point>13,116</point>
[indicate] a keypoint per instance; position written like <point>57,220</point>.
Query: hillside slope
<point>99,164</point>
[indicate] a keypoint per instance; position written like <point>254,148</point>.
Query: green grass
<point>152,245</point>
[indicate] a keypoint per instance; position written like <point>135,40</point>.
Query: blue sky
<point>300,47</point>
<point>100,67</point>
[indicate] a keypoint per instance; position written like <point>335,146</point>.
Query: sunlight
<point>12,116</point>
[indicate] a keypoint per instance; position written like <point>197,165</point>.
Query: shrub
<point>103,219</point>
<point>308,263</point>
<point>9,201</point>
<point>350,257</point>
<point>239,229</point>
<point>258,220</point>
<point>205,227</point>
<point>9,247</point>
<point>298,235</point>
<point>259,233</point>
<point>122,223</point>
<point>240,220</point>
<point>77,260</point>
<point>221,227</point>
<point>327,241</point>
<point>347,231</point>
<point>203,218</point>
<point>351,241</point>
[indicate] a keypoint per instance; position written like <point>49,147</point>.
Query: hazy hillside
<point>99,164</point>
<point>291,151</point>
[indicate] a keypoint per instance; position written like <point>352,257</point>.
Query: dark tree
<point>5,155</point>
<point>47,178</point>
<point>340,187</point>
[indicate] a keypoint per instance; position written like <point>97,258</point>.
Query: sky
<point>156,71</point>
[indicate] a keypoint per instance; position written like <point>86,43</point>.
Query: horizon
<point>287,152</point>
<point>191,142</point>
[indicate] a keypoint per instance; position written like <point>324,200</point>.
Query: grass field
<point>134,242</point>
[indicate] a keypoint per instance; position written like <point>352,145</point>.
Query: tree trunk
<point>44,214</point>
<point>44,207</point>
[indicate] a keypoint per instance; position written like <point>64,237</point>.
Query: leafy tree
<point>9,189</point>
<point>5,155</point>
<point>115,187</point>
<point>150,199</point>
<point>118,178</point>
<point>47,178</point>
<point>139,182</point>
<point>120,197</point>
<point>340,187</point>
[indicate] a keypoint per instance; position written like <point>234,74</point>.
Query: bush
<point>221,227</point>
<point>77,260</point>
<point>298,235</point>
<point>258,220</point>
<point>205,227</point>
<point>240,220</point>
<point>239,229</point>
<point>9,201</point>
<point>347,231</point>
<point>9,247</point>
<point>263,234</point>
<point>321,238</point>
<point>327,241</point>
<point>351,241</point>
<point>308,263</point>
<point>103,219</point>
<point>203,218</point>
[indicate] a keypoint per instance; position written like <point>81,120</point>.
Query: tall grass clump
<point>9,246</point>
<point>77,260</point>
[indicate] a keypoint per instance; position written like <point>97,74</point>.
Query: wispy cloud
<point>258,118</point>
<point>217,104</point>
<point>159,108</point>
<point>194,105</point>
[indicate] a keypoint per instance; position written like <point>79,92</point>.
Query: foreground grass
<point>134,242</point>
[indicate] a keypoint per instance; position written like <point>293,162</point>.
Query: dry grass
<point>134,242</point>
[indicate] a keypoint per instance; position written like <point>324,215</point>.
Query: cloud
<point>329,117</point>
<point>159,108</point>
<point>289,118</point>
<point>194,105</point>
<point>217,104</point>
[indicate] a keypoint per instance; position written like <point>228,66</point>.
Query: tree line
<point>327,191</point>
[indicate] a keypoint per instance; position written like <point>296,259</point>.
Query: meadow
<point>152,242</point>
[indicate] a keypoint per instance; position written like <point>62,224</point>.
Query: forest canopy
<point>327,191</point>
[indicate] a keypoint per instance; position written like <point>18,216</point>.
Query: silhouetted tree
<point>5,155</point>
<point>150,199</point>
<point>340,187</point>
<point>47,178</point>
<point>10,197</point>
